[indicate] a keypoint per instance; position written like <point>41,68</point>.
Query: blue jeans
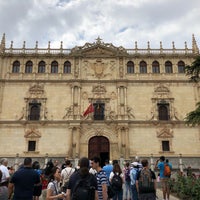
<point>127,189</point>
<point>118,195</point>
<point>134,192</point>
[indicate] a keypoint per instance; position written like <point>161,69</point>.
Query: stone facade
<point>140,98</point>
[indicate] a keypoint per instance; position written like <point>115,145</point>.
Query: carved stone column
<point>70,143</point>
<point>77,142</point>
<point>119,142</point>
<point>127,154</point>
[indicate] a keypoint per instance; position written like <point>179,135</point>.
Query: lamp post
<point>16,162</point>
<point>151,162</point>
<point>180,163</point>
<point>46,159</point>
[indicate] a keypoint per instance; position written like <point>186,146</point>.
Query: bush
<point>186,187</point>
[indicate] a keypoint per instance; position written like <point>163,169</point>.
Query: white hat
<point>135,164</point>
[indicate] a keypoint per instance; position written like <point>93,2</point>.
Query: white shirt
<point>66,173</point>
<point>112,174</point>
<point>5,173</point>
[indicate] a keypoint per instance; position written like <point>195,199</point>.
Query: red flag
<point>90,109</point>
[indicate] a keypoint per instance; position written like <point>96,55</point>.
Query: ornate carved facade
<point>140,98</point>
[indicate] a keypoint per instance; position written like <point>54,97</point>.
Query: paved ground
<point>160,196</point>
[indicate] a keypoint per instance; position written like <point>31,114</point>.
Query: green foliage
<point>194,70</point>
<point>193,117</point>
<point>186,187</point>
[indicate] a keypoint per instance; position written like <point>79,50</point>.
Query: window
<point>130,67</point>
<point>54,67</point>
<point>29,67</point>
<point>155,67</point>
<point>99,111</point>
<point>67,67</point>
<point>165,146</point>
<point>41,67</point>
<point>168,67</point>
<point>34,111</point>
<point>143,67</point>
<point>163,111</point>
<point>31,145</point>
<point>16,67</point>
<point>181,67</point>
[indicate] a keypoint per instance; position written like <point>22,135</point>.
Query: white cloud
<point>120,22</point>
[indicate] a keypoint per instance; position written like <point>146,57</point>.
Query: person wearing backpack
<point>127,170</point>
<point>165,172</point>
<point>133,175</point>
<point>117,179</point>
<point>82,184</point>
<point>146,183</point>
<point>65,175</point>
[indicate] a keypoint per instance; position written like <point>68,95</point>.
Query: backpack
<point>83,189</point>
<point>127,174</point>
<point>146,183</point>
<point>167,170</point>
<point>116,182</point>
<point>134,171</point>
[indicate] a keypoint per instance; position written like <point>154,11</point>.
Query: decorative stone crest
<point>32,133</point>
<point>165,133</point>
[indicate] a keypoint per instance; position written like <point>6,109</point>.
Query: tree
<point>194,70</point>
<point>193,117</point>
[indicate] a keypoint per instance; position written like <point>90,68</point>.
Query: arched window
<point>16,67</point>
<point>143,67</point>
<point>67,67</point>
<point>29,67</point>
<point>54,67</point>
<point>168,67</point>
<point>34,111</point>
<point>163,111</point>
<point>41,67</point>
<point>130,67</point>
<point>155,67</point>
<point>181,67</point>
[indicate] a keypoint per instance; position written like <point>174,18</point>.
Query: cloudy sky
<point>121,22</point>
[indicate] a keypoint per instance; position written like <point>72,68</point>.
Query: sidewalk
<point>160,195</point>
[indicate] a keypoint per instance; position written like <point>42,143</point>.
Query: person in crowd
<point>127,180</point>
<point>45,178</point>
<point>107,168</point>
<point>53,189</point>
<point>114,162</point>
<point>37,188</point>
<point>102,181</point>
<point>117,173</point>
<point>5,179</point>
<point>23,181</point>
<point>82,176</point>
<point>146,182</point>
<point>160,164</point>
<point>65,175</point>
<point>133,175</point>
<point>91,170</point>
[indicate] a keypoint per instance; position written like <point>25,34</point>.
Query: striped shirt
<point>101,179</point>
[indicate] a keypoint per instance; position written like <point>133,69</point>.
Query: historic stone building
<point>139,99</point>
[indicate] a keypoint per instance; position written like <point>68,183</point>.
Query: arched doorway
<point>99,146</point>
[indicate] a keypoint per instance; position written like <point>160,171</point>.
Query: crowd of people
<point>87,181</point>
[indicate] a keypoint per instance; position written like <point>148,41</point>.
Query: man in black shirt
<point>23,181</point>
